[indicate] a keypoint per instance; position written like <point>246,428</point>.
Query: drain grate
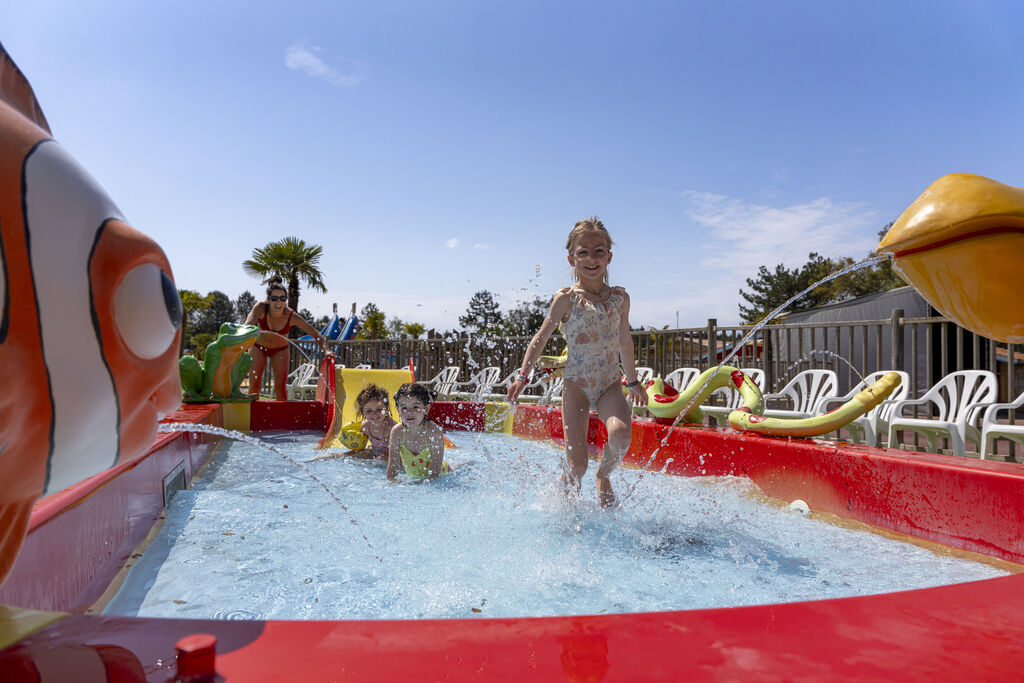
<point>173,482</point>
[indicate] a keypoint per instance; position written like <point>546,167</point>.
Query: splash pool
<point>254,538</point>
<point>81,537</point>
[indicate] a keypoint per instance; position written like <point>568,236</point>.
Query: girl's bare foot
<point>570,486</point>
<point>605,494</point>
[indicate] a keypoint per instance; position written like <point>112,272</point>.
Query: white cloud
<point>453,242</point>
<point>478,245</point>
<point>743,236</point>
<point>340,71</point>
<point>733,237</point>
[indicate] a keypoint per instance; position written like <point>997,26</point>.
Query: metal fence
<point>926,348</point>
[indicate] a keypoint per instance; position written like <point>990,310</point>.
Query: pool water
<point>256,538</point>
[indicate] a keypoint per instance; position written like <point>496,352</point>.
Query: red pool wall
<point>967,504</point>
<point>970,631</point>
<point>79,537</point>
<point>266,416</point>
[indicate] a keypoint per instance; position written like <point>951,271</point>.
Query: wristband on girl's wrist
<point>630,385</point>
<point>523,377</point>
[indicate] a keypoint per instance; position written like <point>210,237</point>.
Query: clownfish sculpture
<point>90,321</point>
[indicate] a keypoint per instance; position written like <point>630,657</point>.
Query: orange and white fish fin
<point>16,91</point>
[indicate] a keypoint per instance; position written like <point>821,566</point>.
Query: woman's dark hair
<point>276,282</point>
<point>372,392</point>
<point>416,391</point>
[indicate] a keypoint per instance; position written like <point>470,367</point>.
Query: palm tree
<point>292,259</point>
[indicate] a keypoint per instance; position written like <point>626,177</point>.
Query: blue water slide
<point>350,328</point>
<point>332,331</point>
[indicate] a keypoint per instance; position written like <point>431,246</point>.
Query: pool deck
<point>966,631</point>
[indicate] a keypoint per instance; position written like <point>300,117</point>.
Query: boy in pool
<point>374,407</point>
<point>417,444</point>
<point>594,318</point>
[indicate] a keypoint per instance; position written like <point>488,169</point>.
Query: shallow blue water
<point>256,538</point>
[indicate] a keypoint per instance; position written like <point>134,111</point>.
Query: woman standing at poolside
<point>276,319</point>
<point>595,320</point>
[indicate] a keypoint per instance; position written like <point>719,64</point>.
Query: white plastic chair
<point>992,429</point>
<point>553,392</point>
<point>644,374</point>
<point>442,382</point>
<point>532,391</point>
<point>958,398</point>
<point>680,378</point>
<point>805,391</point>
<point>867,427</point>
<point>301,383</point>
<point>476,385</point>
<point>733,398</point>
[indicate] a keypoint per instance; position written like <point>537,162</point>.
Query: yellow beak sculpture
<point>961,245</point>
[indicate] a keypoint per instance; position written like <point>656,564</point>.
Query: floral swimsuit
<point>592,333</point>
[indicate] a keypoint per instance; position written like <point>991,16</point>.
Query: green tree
<point>483,314</point>
<point>373,323</point>
<point>293,260</point>
<point>396,328</point>
<point>192,305</point>
<point>771,289</point>
<point>221,310</point>
<point>414,330</point>
<point>244,304</point>
<point>526,318</point>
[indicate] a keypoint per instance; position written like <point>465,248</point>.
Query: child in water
<point>373,406</point>
<point>417,444</point>
<point>594,318</point>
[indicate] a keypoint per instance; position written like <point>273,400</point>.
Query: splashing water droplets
<point>736,348</point>
<point>171,427</point>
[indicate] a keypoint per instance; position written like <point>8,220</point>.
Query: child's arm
<point>638,392</point>
<point>435,442</point>
<point>559,307</point>
<point>394,457</point>
<point>337,454</point>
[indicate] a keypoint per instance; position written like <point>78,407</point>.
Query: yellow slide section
<point>348,383</point>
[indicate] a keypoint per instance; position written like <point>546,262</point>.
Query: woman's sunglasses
<point>278,298</point>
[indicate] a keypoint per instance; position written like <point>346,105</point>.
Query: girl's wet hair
<point>592,224</point>
<point>276,282</point>
<point>372,392</point>
<point>415,391</point>
<point>583,227</point>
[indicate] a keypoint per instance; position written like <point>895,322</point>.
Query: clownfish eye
<point>147,311</point>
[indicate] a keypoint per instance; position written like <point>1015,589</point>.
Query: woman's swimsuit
<point>592,333</point>
<point>264,325</point>
<point>378,447</point>
<point>418,464</point>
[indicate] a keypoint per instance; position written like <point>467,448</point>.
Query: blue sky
<point>436,149</point>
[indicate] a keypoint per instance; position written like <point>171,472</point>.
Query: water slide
<point>335,330</point>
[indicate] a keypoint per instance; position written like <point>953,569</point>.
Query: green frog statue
<point>227,362</point>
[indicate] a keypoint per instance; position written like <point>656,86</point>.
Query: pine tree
<point>221,310</point>
<point>243,305</point>
<point>483,314</point>
<point>526,318</point>
<point>771,289</point>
